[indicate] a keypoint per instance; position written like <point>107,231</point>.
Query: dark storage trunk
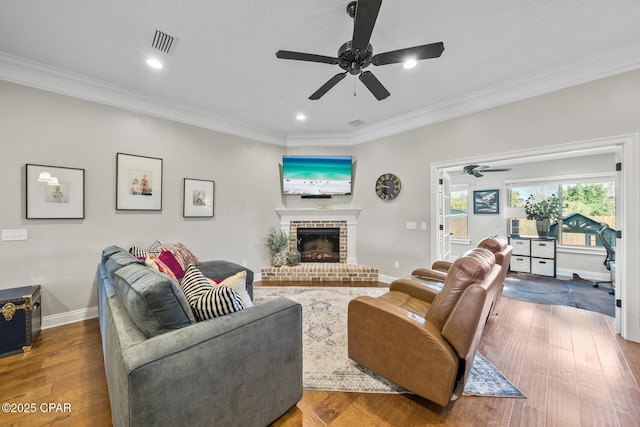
<point>20,319</point>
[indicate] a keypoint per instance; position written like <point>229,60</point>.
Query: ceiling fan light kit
<point>357,54</point>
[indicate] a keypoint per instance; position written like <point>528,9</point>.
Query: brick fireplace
<point>343,264</point>
<point>344,219</point>
<point>320,241</point>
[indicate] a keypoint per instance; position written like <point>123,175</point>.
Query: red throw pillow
<point>170,261</point>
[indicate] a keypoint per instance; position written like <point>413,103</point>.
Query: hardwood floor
<point>574,370</point>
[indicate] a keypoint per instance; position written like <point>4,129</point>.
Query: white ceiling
<point>223,73</point>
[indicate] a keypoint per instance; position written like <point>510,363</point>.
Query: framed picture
<point>138,183</point>
<point>486,202</point>
<point>198,198</point>
<point>54,192</point>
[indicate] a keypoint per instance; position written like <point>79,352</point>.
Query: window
<point>585,203</point>
<point>459,208</point>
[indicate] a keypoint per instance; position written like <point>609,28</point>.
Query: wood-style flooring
<point>573,368</point>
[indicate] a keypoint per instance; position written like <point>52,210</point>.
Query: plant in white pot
<point>278,243</point>
<point>543,210</point>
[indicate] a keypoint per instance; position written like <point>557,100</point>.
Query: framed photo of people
<point>54,192</point>
<point>198,198</point>
<point>138,183</point>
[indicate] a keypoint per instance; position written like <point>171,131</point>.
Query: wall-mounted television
<point>317,176</point>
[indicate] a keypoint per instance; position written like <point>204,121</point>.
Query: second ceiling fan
<point>357,54</point>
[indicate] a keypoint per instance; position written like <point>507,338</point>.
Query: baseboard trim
<point>69,317</point>
<point>587,275</point>
<point>386,279</point>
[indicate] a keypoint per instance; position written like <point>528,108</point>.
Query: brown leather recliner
<point>496,243</point>
<point>425,340</point>
<point>438,271</point>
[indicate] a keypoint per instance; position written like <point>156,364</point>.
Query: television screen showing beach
<point>316,175</point>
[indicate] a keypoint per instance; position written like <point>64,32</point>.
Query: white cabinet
<point>533,255</point>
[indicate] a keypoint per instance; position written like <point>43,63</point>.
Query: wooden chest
<point>20,319</point>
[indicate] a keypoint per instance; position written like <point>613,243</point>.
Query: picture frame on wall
<point>486,202</point>
<point>54,192</point>
<point>198,199</point>
<point>138,183</point>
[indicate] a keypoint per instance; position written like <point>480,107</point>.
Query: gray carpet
<point>326,365</point>
<point>576,292</point>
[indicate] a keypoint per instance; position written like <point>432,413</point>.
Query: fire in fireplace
<point>319,244</point>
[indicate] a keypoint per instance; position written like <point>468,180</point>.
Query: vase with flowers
<point>543,210</point>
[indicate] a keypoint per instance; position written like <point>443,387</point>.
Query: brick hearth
<point>323,272</point>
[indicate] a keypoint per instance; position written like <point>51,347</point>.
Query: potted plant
<point>543,211</point>
<point>277,241</point>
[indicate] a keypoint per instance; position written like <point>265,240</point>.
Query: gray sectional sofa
<point>165,369</point>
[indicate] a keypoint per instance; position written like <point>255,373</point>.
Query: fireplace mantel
<point>348,215</point>
<point>311,214</point>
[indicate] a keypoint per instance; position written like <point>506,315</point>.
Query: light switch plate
<point>13,235</point>
<point>412,226</point>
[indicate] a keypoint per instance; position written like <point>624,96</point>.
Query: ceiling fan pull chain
<point>354,85</point>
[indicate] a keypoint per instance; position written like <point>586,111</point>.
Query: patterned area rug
<point>326,365</point>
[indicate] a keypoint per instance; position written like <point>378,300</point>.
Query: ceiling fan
<point>357,54</point>
<point>476,169</point>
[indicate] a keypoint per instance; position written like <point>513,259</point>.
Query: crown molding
<point>33,74</point>
<point>528,86</point>
<point>40,76</point>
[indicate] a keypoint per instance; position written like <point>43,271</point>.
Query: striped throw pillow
<point>138,252</point>
<point>208,301</point>
<point>216,302</point>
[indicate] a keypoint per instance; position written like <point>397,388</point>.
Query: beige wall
<point>45,128</point>
<point>598,109</point>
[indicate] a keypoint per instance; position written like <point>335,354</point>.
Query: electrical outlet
<point>423,225</point>
<point>397,264</point>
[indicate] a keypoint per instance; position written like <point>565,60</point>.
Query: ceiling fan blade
<point>328,85</point>
<point>364,21</point>
<point>374,85</point>
<point>496,170</point>
<point>477,174</point>
<point>299,56</point>
<point>469,168</point>
<point>433,50</point>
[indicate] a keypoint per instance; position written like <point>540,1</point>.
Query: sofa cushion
<point>208,301</point>
<point>120,259</point>
<point>110,250</point>
<point>154,302</point>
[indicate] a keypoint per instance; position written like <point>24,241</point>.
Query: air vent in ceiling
<point>357,123</point>
<point>163,42</point>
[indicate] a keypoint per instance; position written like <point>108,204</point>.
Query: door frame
<point>627,248</point>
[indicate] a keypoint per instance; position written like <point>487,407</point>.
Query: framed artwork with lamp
<point>54,192</point>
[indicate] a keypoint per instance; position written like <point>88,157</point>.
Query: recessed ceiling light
<point>154,63</point>
<point>301,117</point>
<point>409,63</point>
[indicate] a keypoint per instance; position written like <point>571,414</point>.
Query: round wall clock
<point>388,186</point>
